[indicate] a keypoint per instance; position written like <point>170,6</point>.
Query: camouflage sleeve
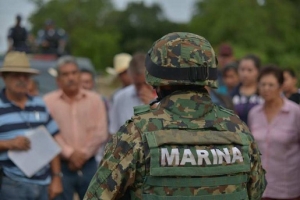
<point>117,170</point>
<point>257,182</point>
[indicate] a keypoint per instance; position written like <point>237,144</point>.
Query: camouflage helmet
<point>181,59</point>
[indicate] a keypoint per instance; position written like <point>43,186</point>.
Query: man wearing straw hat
<point>121,64</point>
<point>19,113</point>
<point>138,93</point>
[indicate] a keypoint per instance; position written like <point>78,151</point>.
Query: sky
<point>175,10</point>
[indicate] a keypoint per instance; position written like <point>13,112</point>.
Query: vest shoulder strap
<point>138,110</point>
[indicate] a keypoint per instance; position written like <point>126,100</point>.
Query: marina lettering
<point>201,157</point>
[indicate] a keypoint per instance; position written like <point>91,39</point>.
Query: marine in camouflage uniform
<point>187,147</point>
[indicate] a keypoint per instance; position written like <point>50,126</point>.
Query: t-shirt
<point>243,104</point>
<point>295,98</point>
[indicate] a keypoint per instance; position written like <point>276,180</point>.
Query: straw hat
<point>15,61</point>
<point>121,63</point>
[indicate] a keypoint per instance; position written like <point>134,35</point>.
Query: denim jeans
<point>77,181</point>
<point>17,190</point>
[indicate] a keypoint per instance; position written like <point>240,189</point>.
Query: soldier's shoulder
<point>129,132</point>
<point>225,110</point>
<point>142,109</point>
<point>225,119</point>
<point>148,113</point>
<point>126,141</point>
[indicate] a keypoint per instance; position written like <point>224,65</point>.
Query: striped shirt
<point>14,122</point>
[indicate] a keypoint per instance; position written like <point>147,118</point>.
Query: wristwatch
<point>59,174</point>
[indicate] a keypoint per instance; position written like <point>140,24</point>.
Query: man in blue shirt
<point>20,113</point>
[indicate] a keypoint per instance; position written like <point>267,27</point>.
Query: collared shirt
<point>122,107</point>
<point>14,122</point>
<point>279,143</point>
<point>82,121</point>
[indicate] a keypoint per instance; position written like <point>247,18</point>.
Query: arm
<point>250,118</point>
<point>118,168</point>
<point>5,145</point>
<point>147,94</point>
<point>257,181</point>
<point>41,40</point>
<point>55,187</point>
<point>297,117</point>
<point>52,127</point>
<point>113,116</point>
<point>98,135</point>
<point>66,150</point>
<point>18,143</point>
<point>10,39</point>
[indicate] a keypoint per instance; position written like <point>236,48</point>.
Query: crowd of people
<point>239,83</point>
<point>50,40</point>
<point>266,98</point>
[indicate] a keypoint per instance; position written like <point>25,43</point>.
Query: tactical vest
<point>52,39</point>
<point>19,36</point>
<point>188,162</point>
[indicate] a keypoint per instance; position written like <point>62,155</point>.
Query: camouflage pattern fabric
<point>182,50</point>
<point>126,162</point>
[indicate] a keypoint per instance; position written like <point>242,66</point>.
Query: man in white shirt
<point>133,95</point>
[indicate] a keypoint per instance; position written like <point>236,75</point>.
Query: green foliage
<point>83,21</point>
<point>99,32</point>
<point>140,26</point>
<point>268,28</point>
<point>271,29</point>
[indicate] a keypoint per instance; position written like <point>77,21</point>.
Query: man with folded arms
<point>81,117</point>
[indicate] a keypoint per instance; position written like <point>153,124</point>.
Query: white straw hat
<point>121,63</point>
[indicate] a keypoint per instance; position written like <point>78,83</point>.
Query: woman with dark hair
<point>290,89</point>
<point>230,76</point>
<point>245,96</point>
<point>275,127</point>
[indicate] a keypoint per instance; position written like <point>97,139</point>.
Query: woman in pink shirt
<point>276,128</point>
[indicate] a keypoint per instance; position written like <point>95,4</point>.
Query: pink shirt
<point>279,143</point>
<point>82,121</point>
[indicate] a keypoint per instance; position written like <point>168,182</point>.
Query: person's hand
<point>72,167</point>
<point>20,143</point>
<point>76,161</point>
<point>55,188</point>
<point>146,94</point>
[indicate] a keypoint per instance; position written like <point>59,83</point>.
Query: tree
<point>99,32</point>
<point>141,25</point>
<point>83,20</point>
<point>268,28</point>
